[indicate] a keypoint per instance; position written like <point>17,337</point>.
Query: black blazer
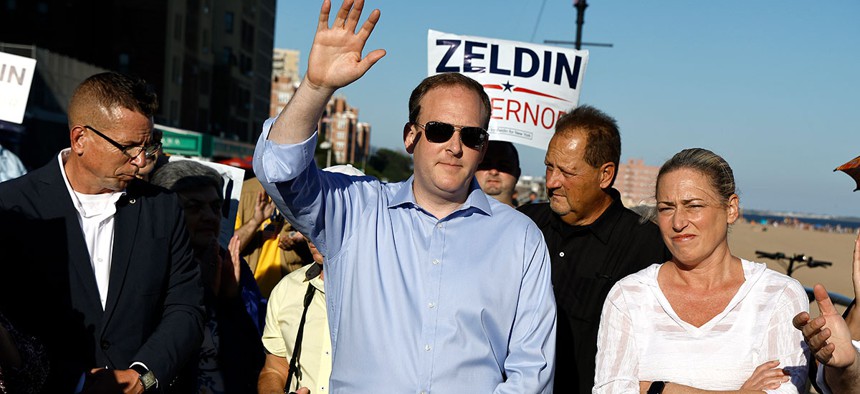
<point>154,308</point>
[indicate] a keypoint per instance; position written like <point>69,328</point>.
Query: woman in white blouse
<point>705,320</point>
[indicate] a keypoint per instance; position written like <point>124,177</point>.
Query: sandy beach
<point>745,238</point>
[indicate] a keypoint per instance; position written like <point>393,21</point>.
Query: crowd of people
<point>336,281</point>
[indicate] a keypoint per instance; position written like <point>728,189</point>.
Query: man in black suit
<point>110,286</point>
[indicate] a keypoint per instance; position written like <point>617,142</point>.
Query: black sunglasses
<point>130,151</point>
<point>439,132</point>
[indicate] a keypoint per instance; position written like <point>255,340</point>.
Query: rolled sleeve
<point>274,163</point>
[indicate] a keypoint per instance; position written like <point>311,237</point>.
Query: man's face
<point>443,171</point>
<point>499,171</point>
<point>574,187</point>
<point>202,215</point>
<point>105,168</point>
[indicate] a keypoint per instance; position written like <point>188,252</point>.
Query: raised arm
<point>334,62</point>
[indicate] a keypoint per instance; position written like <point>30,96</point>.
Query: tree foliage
<point>389,165</point>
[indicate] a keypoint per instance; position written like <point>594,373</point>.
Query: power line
<point>537,22</point>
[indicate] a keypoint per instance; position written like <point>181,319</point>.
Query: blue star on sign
<point>507,86</point>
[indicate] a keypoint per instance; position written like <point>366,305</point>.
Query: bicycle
<point>802,260</point>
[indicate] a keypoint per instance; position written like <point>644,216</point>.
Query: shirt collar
<point>476,198</point>
<point>605,223</point>
<point>114,196</point>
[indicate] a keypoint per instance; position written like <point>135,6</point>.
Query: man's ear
<point>409,137</point>
<point>607,173</point>
<point>76,136</point>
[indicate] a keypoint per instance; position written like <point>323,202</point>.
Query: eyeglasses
<point>130,151</point>
<point>439,132</point>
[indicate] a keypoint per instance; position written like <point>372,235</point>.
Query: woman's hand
<point>230,270</point>
<point>766,377</point>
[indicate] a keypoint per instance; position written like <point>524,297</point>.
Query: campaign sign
<point>530,85</point>
<point>16,76</point>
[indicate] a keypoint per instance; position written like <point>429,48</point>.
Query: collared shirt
<point>284,313</point>
<point>418,304</point>
<point>96,215</point>
<point>642,338</point>
<point>586,262</point>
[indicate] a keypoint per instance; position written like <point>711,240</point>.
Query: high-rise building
<point>210,61</point>
<point>285,62</point>
<point>285,79</point>
<point>349,138</point>
<point>636,182</point>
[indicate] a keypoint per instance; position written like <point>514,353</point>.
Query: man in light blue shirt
<point>431,285</point>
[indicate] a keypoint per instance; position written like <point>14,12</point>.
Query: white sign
<point>530,86</point>
<point>16,76</point>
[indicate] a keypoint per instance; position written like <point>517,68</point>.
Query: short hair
<point>187,175</point>
<point>447,79</point>
<point>709,164</point>
<point>603,141</point>
<point>109,90</point>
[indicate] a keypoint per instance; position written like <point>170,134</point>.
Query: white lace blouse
<point>641,338</point>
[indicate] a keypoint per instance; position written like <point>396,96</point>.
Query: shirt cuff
<point>283,162</point>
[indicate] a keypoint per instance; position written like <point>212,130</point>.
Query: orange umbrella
<point>852,168</point>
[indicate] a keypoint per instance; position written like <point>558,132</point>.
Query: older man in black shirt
<point>593,239</point>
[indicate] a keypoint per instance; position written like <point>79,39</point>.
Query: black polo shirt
<point>586,262</point>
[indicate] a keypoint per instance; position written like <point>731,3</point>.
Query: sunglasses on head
<point>439,132</point>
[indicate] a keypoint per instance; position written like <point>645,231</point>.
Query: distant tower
<point>636,182</point>
<point>285,78</point>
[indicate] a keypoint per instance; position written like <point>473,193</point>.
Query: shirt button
<point>427,348</point>
<point>439,225</point>
<point>560,254</point>
<point>431,305</point>
<point>435,262</point>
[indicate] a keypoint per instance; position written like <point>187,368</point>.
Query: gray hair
<point>186,175</point>
<point>710,164</point>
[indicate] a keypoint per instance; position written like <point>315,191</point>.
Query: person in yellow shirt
<point>268,242</point>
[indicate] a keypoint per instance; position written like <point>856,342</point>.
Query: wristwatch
<point>656,387</point>
<point>147,378</point>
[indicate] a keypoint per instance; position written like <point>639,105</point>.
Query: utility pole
<point>580,6</point>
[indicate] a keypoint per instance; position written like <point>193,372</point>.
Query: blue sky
<point>772,86</point>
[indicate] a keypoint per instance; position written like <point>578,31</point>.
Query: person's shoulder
<point>773,279</point>
<point>148,194</point>
<point>286,289</point>
<point>635,284</point>
<point>510,216</point>
<point>288,283</point>
<point>28,183</point>
<point>643,277</point>
<point>540,213</point>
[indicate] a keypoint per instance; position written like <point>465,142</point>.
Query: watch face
<point>148,380</point>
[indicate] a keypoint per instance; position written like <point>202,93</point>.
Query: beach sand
<point>745,238</point>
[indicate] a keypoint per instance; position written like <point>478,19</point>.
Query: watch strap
<point>656,387</point>
<point>147,378</point>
